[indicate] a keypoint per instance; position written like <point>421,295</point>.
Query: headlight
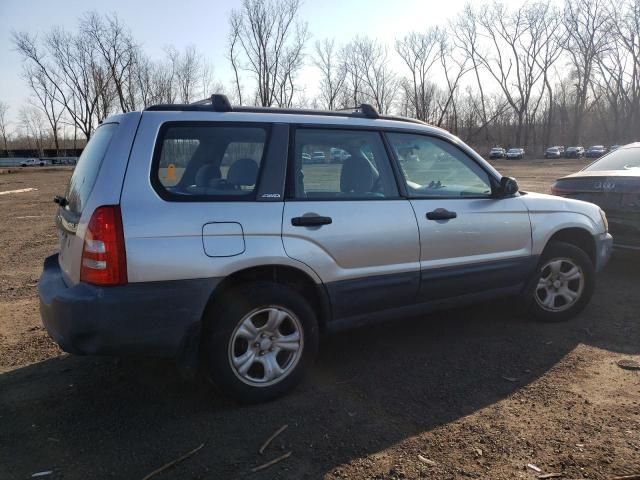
<point>603,216</point>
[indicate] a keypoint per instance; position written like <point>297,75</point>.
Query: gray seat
<point>205,174</point>
<point>243,172</point>
<point>357,176</point>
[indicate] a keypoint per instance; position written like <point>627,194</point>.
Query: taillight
<point>561,192</point>
<point>103,255</point>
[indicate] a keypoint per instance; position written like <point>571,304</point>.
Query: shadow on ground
<point>370,389</point>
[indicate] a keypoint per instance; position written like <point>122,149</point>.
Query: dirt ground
<point>471,393</point>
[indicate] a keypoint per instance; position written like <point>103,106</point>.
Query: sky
<point>204,23</point>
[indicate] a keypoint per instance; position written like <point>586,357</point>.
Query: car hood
<point>632,172</point>
<point>540,202</point>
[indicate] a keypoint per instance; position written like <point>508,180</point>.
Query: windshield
<point>622,159</point>
<point>514,150</point>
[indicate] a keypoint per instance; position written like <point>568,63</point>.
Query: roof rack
<point>220,103</point>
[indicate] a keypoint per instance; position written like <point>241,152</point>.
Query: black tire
<point>575,255</point>
<point>221,321</point>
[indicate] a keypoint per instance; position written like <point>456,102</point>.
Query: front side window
<point>434,168</point>
<point>208,160</point>
<point>341,164</point>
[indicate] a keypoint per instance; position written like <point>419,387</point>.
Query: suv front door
<point>470,241</point>
<point>348,223</point>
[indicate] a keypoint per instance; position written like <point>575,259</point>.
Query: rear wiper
<point>60,200</point>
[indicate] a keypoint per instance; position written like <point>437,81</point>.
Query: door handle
<point>441,214</point>
<point>310,221</point>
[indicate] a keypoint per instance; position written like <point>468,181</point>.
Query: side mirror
<point>508,187</point>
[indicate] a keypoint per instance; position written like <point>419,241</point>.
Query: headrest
<point>244,172</point>
<point>357,175</point>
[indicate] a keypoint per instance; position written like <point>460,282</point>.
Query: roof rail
<point>220,103</point>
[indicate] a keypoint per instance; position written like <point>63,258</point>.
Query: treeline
<point>531,76</point>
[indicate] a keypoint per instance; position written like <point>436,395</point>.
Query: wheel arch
<point>580,237</point>
<point>297,279</point>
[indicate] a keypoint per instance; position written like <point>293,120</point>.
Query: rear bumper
<point>152,318</point>
<point>604,246</point>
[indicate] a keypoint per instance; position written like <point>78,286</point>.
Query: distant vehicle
<point>306,158</point>
<point>497,152</point>
<point>553,152</point>
<point>596,151</point>
<point>574,152</point>
<point>318,157</point>
<point>32,162</point>
<point>613,183</point>
<point>338,155</point>
<point>613,148</point>
<point>515,153</point>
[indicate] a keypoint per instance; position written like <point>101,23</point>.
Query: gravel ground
<point>469,393</point>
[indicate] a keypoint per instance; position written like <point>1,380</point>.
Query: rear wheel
<point>260,341</point>
<point>562,285</point>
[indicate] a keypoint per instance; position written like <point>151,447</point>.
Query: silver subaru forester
<point>212,234</point>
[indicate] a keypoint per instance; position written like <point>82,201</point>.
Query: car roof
<point>217,107</point>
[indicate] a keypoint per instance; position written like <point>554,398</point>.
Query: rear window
<point>203,161</point>
<point>86,171</point>
<point>621,159</point>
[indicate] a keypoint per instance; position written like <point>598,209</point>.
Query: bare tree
<point>454,68</point>
<point>420,52</point>
<point>4,123</point>
<point>465,31</point>
<point>271,39</point>
<point>45,99</point>
<point>70,65</point>
<point>332,70</point>
<point>32,125</point>
<point>587,24</point>
<point>117,48</point>
<point>367,63</point>
<point>514,43</point>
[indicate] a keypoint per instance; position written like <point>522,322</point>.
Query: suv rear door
<point>471,242</point>
<point>348,223</point>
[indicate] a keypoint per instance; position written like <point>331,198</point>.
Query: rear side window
<point>341,164</point>
<point>86,171</point>
<point>621,159</point>
<point>204,161</point>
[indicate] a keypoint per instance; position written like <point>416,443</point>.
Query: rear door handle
<point>441,214</point>
<point>310,221</point>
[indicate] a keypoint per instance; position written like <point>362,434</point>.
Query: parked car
<point>497,152</point>
<point>553,152</point>
<point>32,162</point>
<point>318,157</point>
<point>574,152</point>
<point>595,151</point>
<point>561,148</point>
<point>211,267</point>
<point>613,183</point>
<point>338,155</point>
<point>306,158</point>
<point>515,153</point>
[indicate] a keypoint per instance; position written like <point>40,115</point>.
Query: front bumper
<point>604,246</point>
<point>150,318</point>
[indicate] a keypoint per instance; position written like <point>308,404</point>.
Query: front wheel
<point>562,285</point>
<point>259,341</point>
